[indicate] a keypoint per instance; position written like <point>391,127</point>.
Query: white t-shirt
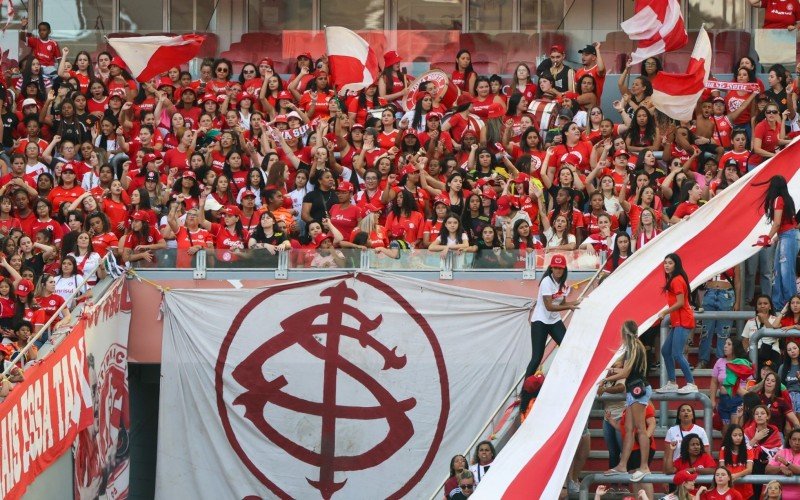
<point>674,434</point>
<point>65,287</point>
<point>548,287</point>
<point>750,328</point>
<point>478,471</point>
<point>553,240</point>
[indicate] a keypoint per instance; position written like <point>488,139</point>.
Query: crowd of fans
<point>95,163</point>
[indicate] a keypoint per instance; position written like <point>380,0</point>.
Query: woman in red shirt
<point>464,75</point>
<point>768,135</point>
<point>141,239</point>
<point>404,212</point>
<point>682,323</point>
<point>114,207</point>
<point>738,458</point>
<point>49,301</point>
<point>781,213</point>
<point>779,14</point>
<point>693,457</point>
<point>691,193</point>
<point>68,189</point>
<point>43,209</point>
<point>103,239</point>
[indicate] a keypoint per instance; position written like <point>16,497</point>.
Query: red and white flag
<point>352,62</point>
<point>149,56</point>
<point>676,94</point>
<point>720,235</point>
<point>658,27</point>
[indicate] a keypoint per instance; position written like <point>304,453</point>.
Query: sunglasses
<point>771,112</point>
<point>593,113</point>
<point>249,72</point>
<point>222,70</point>
<point>466,486</point>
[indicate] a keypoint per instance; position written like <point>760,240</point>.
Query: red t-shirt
<point>225,239</point>
<point>769,140</point>
<point>413,225</point>
<point>53,225</point>
<point>779,14</point>
<point>744,489</point>
<point>741,159</point>
<point>787,219</point>
<point>704,461</point>
<point>117,213</point>
<point>731,494</point>
<point>46,51</point>
<point>49,304</point>
<point>685,208</point>
<point>6,225</point>
<point>345,219</point>
<point>583,149</point>
<point>733,101</point>
<point>153,237</point>
<point>683,317</point>
<point>60,194</point>
<point>599,81</point>
<point>102,242</point>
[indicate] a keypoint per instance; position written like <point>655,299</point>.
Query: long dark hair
<point>678,271</point>
<point>727,443</point>
<point>615,253</point>
<point>515,234</point>
<point>777,189</point>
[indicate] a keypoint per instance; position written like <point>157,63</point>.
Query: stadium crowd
<point>96,164</point>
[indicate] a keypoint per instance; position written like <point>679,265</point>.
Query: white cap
<point>294,114</point>
<point>30,102</point>
<point>212,204</point>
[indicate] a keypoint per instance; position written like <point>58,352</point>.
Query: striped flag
<point>720,235</point>
<point>658,27</point>
<point>352,61</point>
<point>676,94</point>
<point>150,56</point>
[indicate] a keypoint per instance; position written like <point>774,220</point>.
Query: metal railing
<point>591,479</point>
<point>737,316</point>
<point>767,332</point>
<point>78,290</point>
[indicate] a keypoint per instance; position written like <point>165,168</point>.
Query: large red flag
<point>352,61</point>
<point>676,94</point>
<point>720,235</point>
<point>149,56</point>
<point>658,27</point>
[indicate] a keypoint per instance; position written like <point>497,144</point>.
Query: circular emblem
<point>316,397</point>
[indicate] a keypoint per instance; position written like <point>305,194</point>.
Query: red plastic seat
<point>722,62</point>
<point>737,42</point>
<point>676,62</point>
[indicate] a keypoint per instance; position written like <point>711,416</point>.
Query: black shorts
<point>634,462</point>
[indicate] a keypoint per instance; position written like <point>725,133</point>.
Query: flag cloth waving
<point>658,27</point>
<point>353,64</point>
<point>149,56</point>
<point>718,236</point>
<point>676,94</point>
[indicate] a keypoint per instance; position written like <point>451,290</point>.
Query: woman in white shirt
<point>768,347</point>
<point>86,259</point>
<point>557,235</point>
<point>69,280</point>
<point>546,318</point>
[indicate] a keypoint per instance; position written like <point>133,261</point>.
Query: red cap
<point>533,383</point>
<point>359,126</point>
<point>140,215</point>
<point>522,178</point>
<point>570,95</point>
<point>165,81</point>
<point>391,58</point>
<point>267,61</point>
<point>307,55</point>
<point>248,194</point>
<point>242,96</point>
<point>503,205</point>
<point>318,239</point>
<point>443,199</point>
<point>557,48</point>
<point>345,187</point>
<point>68,167</point>
<point>150,157</point>
<point>763,241</point>
<point>208,97</point>
<point>24,288</point>
<point>410,131</point>
<point>285,94</point>
<point>434,114</point>
<point>489,193</point>
<point>683,476</point>
<point>571,159</point>
<point>558,261</point>
<point>189,174</point>
<point>117,92</point>
<point>408,169</point>
<point>464,99</point>
<point>374,207</point>
<point>280,119</point>
<point>183,90</point>
<point>621,152</point>
<point>232,210</point>
<point>397,230</point>
<point>117,61</point>
<point>496,110</point>
<point>320,72</point>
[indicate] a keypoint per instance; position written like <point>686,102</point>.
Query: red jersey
<point>432,229</point>
<point>93,106</point>
<point>739,464</point>
<point>730,494</point>
<point>723,128</point>
<point>49,304</point>
<point>153,237</point>
<point>779,14</point>
<point>683,317</point>
<point>740,157</point>
<point>225,239</point>
<point>61,194</point>
<point>186,239</point>
<point>413,225</point>
<point>53,225</point>
<point>787,219</point>
<point>590,222</point>
<point>175,158</point>
<point>769,140</point>
<point>46,51</point>
<point>117,213</point>
<point>583,150</point>
<point>376,239</point>
<point>345,219</point>
<point>6,225</point>
<point>599,81</point>
<point>733,101</point>
<point>102,242</point>
<point>685,208</point>
<point>460,80</point>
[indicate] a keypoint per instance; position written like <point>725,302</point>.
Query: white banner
<point>102,451</point>
<point>353,386</point>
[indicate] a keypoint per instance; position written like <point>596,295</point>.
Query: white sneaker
<point>687,389</point>
<point>668,387</point>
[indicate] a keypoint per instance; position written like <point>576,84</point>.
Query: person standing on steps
<point>682,323</point>
<point>546,318</point>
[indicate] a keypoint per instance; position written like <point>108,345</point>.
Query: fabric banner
<point>355,386</point>
<point>41,417</point>
<point>718,236</point>
<point>102,450</point>
<point>718,85</point>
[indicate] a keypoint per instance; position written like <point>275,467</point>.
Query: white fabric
<point>484,346</point>
<point>645,25</point>
<point>548,288</point>
<point>674,435</point>
<point>680,103</point>
<point>137,51</point>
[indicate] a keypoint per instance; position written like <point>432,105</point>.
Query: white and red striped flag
<point>676,94</point>
<point>352,62</point>
<point>535,462</point>
<point>149,56</point>
<point>658,27</point>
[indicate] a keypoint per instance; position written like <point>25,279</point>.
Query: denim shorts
<point>648,393</point>
<point>726,406</point>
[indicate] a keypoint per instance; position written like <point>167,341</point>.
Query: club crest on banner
<point>329,386</point>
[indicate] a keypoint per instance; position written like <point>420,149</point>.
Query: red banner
<point>41,417</point>
<point>718,85</point>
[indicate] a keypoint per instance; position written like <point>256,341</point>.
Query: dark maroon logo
<point>332,390</point>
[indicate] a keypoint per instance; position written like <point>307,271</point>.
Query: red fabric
<point>174,52</point>
<point>780,14</point>
<point>787,219</point>
<point>683,317</point>
<point>769,140</point>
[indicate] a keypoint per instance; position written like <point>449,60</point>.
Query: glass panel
<point>342,258</point>
<point>429,15</point>
<point>77,15</point>
<point>141,15</point>
<point>490,15</point>
<point>418,260</point>
<point>719,14</point>
<point>552,14</point>
<point>191,16</point>
<point>277,15</point>
<point>356,15</point>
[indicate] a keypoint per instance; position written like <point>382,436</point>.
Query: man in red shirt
<point>592,65</point>
<point>779,14</point>
<point>44,49</point>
